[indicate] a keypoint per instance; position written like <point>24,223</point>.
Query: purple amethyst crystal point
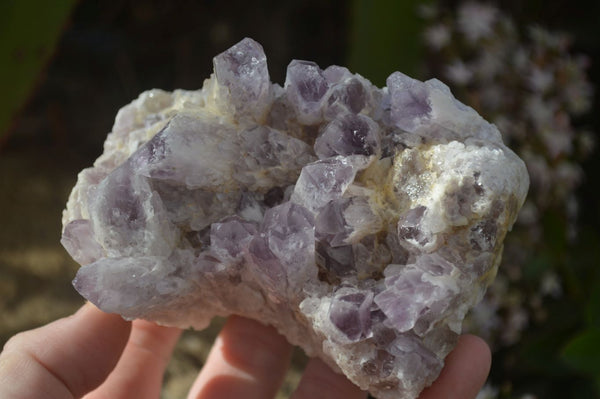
<point>350,135</point>
<point>410,231</point>
<point>130,285</point>
<point>172,154</point>
<point>361,222</point>
<point>412,294</point>
<point>330,224</point>
<point>290,231</point>
<point>78,239</point>
<point>306,86</point>
<point>230,236</point>
<point>323,181</point>
<point>350,312</point>
<point>337,74</point>
<point>409,101</point>
<point>128,218</point>
<point>346,95</point>
<point>243,71</point>
<point>271,158</point>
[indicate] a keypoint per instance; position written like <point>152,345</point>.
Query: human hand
<point>96,355</point>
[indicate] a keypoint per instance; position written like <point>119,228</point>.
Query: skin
<point>97,355</point>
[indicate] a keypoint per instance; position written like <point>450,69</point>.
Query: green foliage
<point>560,356</point>
<point>592,311</point>
<point>29,31</point>
<point>582,352</point>
<point>385,38</point>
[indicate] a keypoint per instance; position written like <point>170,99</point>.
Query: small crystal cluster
<point>363,223</point>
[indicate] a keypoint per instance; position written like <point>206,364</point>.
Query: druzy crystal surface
<point>362,222</point>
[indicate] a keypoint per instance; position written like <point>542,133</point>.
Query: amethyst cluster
<point>362,222</point>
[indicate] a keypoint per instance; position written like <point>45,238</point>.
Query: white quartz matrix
<point>362,222</point>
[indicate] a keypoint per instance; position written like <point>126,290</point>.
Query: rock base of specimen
<point>363,223</point>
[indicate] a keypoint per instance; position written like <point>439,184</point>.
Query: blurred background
<point>532,67</point>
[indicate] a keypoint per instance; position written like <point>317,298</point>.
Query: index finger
<point>64,359</point>
<point>465,372</point>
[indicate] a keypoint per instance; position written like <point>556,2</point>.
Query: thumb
<point>64,359</point>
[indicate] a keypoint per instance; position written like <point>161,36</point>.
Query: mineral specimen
<point>362,223</point>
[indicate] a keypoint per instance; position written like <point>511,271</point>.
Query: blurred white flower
<point>520,58</point>
<point>483,319</point>
<point>493,97</point>
<point>476,20</point>
<point>585,143</point>
<point>551,285</point>
<point>540,112</point>
<point>540,80</point>
<point>487,392</point>
<point>517,320</point>
<point>557,142</point>
<point>489,64</point>
<point>545,40</point>
<point>459,73</point>
<point>569,175</point>
<point>540,173</point>
<point>427,11</point>
<point>572,212</point>
<point>578,91</point>
<point>437,36</point>
<point>529,214</point>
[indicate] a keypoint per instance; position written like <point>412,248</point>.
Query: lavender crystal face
<point>362,222</point>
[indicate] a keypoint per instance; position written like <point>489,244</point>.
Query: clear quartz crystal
<point>361,222</point>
